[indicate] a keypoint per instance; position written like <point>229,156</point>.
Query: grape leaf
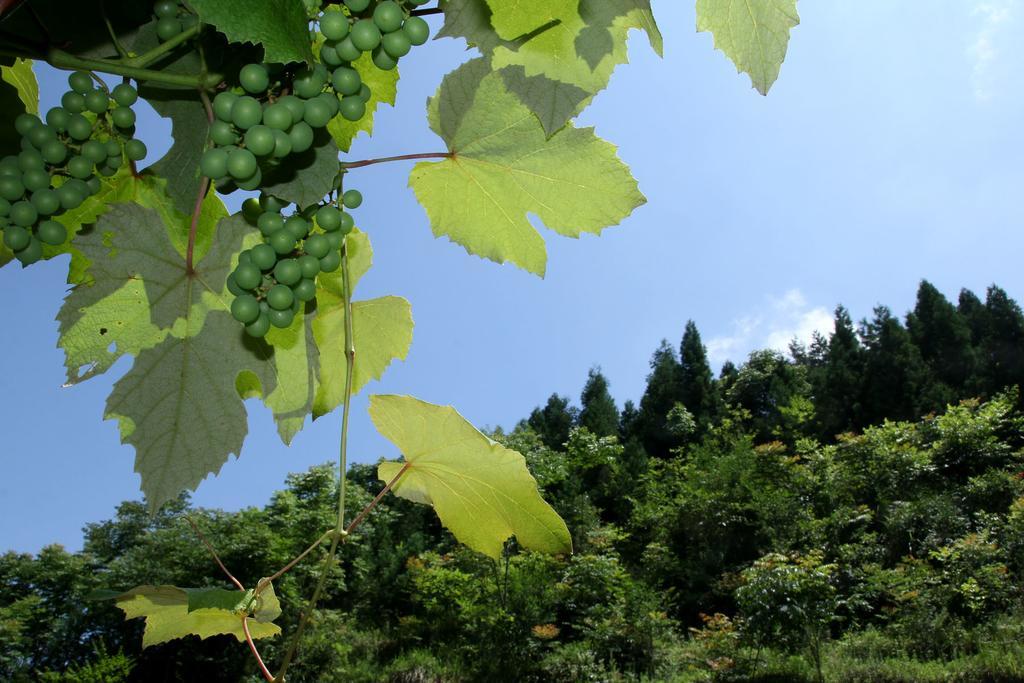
<point>297,362</point>
<point>754,34</point>
<point>383,86</point>
<point>382,329</point>
<point>306,177</point>
<point>469,19</point>
<point>172,612</point>
<point>481,490</point>
<point>21,76</point>
<point>18,94</point>
<point>514,18</point>
<point>504,166</point>
<point>553,102</point>
<point>280,26</point>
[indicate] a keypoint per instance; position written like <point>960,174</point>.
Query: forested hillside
<point>853,511</point>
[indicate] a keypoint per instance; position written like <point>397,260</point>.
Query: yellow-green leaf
<point>514,18</point>
<point>21,76</point>
<point>481,490</point>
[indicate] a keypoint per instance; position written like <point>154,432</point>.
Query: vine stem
<point>256,653</point>
<point>288,567</point>
<point>213,552</point>
<point>147,58</point>
<point>121,51</point>
<point>401,157</point>
<point>424,12</point>
<point>197,211</point>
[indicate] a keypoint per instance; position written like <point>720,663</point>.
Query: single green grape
<point>352,108</point>
<point>214,163</point>
<point>79,127</point>
<point>301,136</point>
<point>331,100</point>
<point>35,179</point>
<point>93,183</point>
<point>308,83</point>
<point>80,82</point>
<point>383,61</point>
<point>23,213</point>
<point>282,144</point>
<point>223,133</point>
<point>318,113</point>
<point>278,116</point>
<point>269,223</point>
<point>365,93</point>
<point>335,239</point>
<point>70,197</point>
<point>54,152</point>
<point>295,105</point>
<point>280,297</point>
<point>309,265</point>
<point>346,80</point>
<point>259,327</point>
<point>331,262</point>
<point>253,182</point>
<point>388,16</point>
<point>317,245</point>
<point>123,117</point>
<point>135,149</point>
<point>282,242</point>
<point>251,210</point>
<point>246,112</point>
<point>347,50</point>
<point>11,188</point>
<point>80,167</point>
<point>248,276</point>
<point>330,56</point>
<point>40,135</point>
<point>347,223</point>
<point>57,118</point>
<point>271,203</point>
<point>260,140</point>
<point>297,226</point>
<point>334,25</point>
<point>305,290</point>
<point>52,233</point>
<point>241,164</point>
<point>357,6</point>
<point>365,35</point>
<point>167,28</point>
<point>328,218</point>
<point>245,257</point>
<point>113,149</point>
<point>94,151</point>
<point>165,8</point>
<point>245,309</point>
<point>73,102</point>
<point>16,237</point>
<point>352,199</point>
<point>124,94</point>
<point>254,78</point>
<point>233,286</point>
<point>97,101</point>
<point>46,202</point>
<point>396,44</point>
<point>281,319</point>
<point>26,122</point>
<point>263,257</point>
<point>222,105</point>
<point>30,254</point>
<point>417,30</point>
<point>5,208</point>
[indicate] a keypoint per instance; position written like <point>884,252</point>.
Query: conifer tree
<point>697,388</point>
<point>598,412</point>
<point>837,384</point>
<point>893,372</point>
<point>1002,346</point>
<point>553,422</point>
<point>944,339</point>
<point>660,396</point>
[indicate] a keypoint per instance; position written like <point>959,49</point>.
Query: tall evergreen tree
<point>660,396</point>
<point>629,423</point>
<point>944,339</point>
<point>697,389</point>
<point>893,372</point>
<point>764,386</point>
<point>974,313</point>
<point>1002,345</point>
<point>598,412</point>
<point>553,422</point>
<point>837,384</point>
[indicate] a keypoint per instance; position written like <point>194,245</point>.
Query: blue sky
<point>890,150</point>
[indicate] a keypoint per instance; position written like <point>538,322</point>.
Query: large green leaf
<point>504,167</point>
<point>304,179</point>
<point>481,490</point>
<point>172,612</point>
<point>280,26</point>
<point>383,86</point>
<point>754,34</point>
<point>18,93</point>
<point>23,79</point>
<point>514,18</point>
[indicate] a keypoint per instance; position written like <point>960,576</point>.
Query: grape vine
<point>266,97</point>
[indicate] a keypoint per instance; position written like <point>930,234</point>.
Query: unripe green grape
<point>241,164</point>
<point>295,105</point>
<point>254,78</point>
<point>280,297</point>
<point>365,35</point>
<point>135,149</point>
<point>72,102</point>
<point>5,208</point>
<point>114,163</point>
<point>26,122</point>
<point>94,151</point>
<point>31,159</point>
<point>251,210</point>
<point>233,286</point>
<point>253,182</point>
<point>40,135</point>
<point>52,233</point>
<point>269,223</point>
<point>278,116</point>
<point>417,30</point>
<point>346,80</point>
<point>271,203</point>
<point>318,113</point>
<point>97,101</point>
<point>113,149</point>
<point>383,61</point>
<point>246,112</point>
<point>30,254</point>
<point>214,163</point>
<point>282,144</point>
<point>347,223</point>
<point>334,25</point>
<point>124,94</point>
<point>11,188</point>
<point>309,265</point>
<point>9,166</point>
<point>352,199</point>
<point>105,171</point>
<point>46,202</point>
<point>79,127</point>
<point>80,82</point>
<point>263,256</point>
<point>165,8</point>
<point>332,102</point>
<point>331,262</point>
<point>245,309</point>
<point>357,6</point>
<point>259,327</point>
<point>328,218</point>
<point>305,290</point>
<point>388,16</point>
<point>35,179</point>
<point>167,28</point>
<point>365,93</point>
<point>335,239</point>
<point>223,133</point>
<point>268,282</point>
<point>244,257</point>
<point>317,245</point>
<point>308,83</point>
<point>352,107</point>
<point>260,140</point>
<point>70,196</point>
<point>248,276</point>
<point>297,227</point>
<point>301,136</point>
<point>80,167</point>
<point>16,237</point>
<point>347,50</point>
<point>222,105</point>
<point>281,319</point>
<point>396,44</point>
<point>330,56</point>
<point>94,184</point>
<point>24,214</point>
<point>57,118</point>
<point>123,117</point>
<point>54,152</point>
<point>282,242</point>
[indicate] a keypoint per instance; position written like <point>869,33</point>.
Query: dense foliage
<point>746,527</point>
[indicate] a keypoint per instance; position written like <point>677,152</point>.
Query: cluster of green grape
<point>60,160</point>
<point>275,278</point>
<point>280,109</point>
<point>171,19</point>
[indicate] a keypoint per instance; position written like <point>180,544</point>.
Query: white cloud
<point>779,321</point>
<point>983,50</point>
